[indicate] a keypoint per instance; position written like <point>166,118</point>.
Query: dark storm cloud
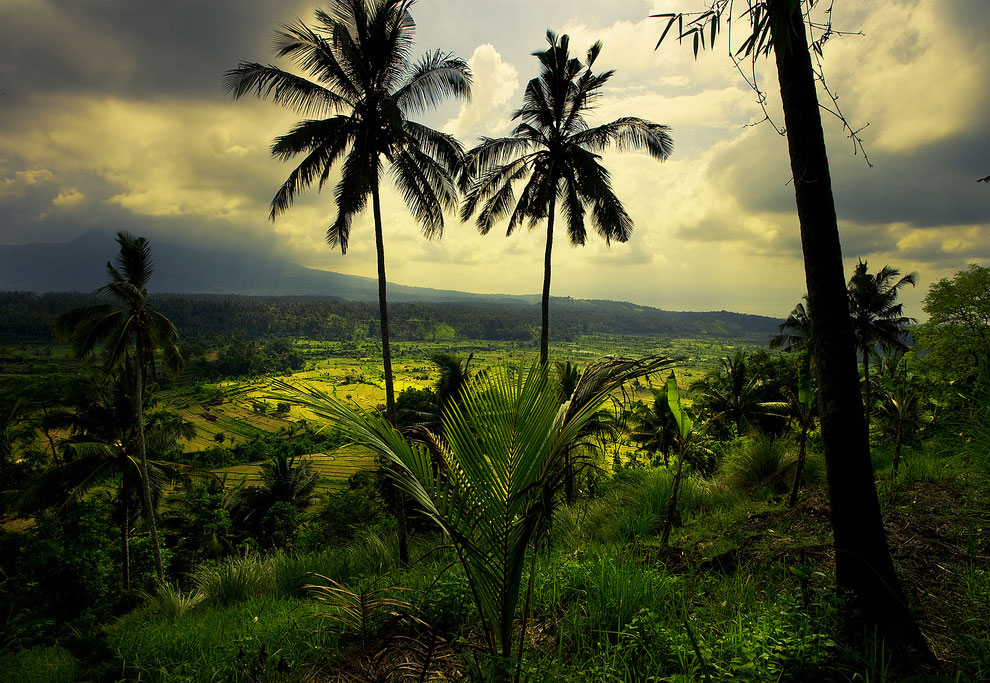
<point>135,49</point>
<point>928,185</point>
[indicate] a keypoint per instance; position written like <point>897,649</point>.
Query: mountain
<point>223,292</point>
<point>79,266</point>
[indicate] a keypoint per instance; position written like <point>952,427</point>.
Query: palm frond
<point>284,88</point>
<point>434,78</point>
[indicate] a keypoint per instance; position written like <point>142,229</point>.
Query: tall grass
<point>40,665</point>
<point>234,580</point>
<point>206,644</point>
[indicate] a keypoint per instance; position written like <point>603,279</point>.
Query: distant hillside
<point>26,316</point>
<point>79,266</point>
<point>218,292</point>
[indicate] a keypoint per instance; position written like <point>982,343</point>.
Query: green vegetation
<point>275,501</point>
<point>502,518</point>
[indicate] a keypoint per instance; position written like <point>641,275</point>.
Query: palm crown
<point>362,89</point>
<point>877,319</point>
<point>555,148</point>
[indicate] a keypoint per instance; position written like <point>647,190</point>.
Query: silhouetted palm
<point>100,450</point>
<point>878,322</point>
<point>557,151</point>
<point>654,429</point>
<point>454,375</point>
<point>363,89</point>
<point>732,398</point>
<point>794,334</point>
<point>130,332</point>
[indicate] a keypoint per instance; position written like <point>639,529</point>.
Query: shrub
<point>764,462</point>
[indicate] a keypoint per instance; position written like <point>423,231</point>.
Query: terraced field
<point>242,410</point>
<point>334,468</point>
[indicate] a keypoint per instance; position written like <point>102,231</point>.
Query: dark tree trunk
<point>400,500</point>
<point>802,454</point>
<point>862,557</point>
<point>866,386</point>
<point>545,312</point>
<point>672,501</point>
<point>383,308</point>
<point>125,535</point>
<point>897,446</point>
<point>149,509</point>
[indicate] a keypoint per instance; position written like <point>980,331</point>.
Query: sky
<point>112,117</point>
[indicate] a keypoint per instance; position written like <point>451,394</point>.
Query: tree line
<point>27,317</point>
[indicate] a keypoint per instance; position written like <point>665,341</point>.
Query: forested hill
<point>80,266</point>
<point>28,317</point>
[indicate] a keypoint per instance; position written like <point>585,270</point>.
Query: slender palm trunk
<point>125,535</point>
<point>866,385</point>
<point>149,510</point>
<point>383,307</point>
<point>862,557</point>
<point>400,500</point>
<point>897,446</point>
<point>672,501</point>
<point>545,331</point>
<point>802,454</point>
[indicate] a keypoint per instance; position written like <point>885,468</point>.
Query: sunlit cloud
<point>121,124</point>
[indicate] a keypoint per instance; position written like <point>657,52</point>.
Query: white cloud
<point>495,85</point>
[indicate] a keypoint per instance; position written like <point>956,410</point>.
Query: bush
<point>345,514</point>
<point>763,462</point>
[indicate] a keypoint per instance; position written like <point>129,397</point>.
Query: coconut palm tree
<point>794,334</point>
<point>654,429</point>
<point>732,398</point>
<point>130,332</point>
<point>554,148</point>
<point>878,322</point>
<point>362,89</point>
<point>100,450</point>
<point>501,472</point>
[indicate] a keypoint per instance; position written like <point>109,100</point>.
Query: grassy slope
<point>751,579</point>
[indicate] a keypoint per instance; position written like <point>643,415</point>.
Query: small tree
<point>131,332</point>
<point>685,430</point>
<point>878,322</point>
<point>557,154</point>
<point>802,408</point>
<point>500,474</point>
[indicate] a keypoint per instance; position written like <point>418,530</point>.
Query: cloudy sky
<point>112,116</point>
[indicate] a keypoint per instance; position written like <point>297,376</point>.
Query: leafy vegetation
<point>587,520</point>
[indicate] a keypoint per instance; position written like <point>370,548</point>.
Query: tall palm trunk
<point>125,534</point>
<point>383,307</point>
<point>867,403</point>
<point>545,313</point>
<point>668,521</point>
<point>802,454</point>
<point>862,557</point>
<point>400,499</point>
<point>149,511</point>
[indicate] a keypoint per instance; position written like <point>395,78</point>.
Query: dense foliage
<point>27,317</point>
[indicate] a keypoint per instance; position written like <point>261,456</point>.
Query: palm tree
<point>131,332</point>
<point>362,89</point>
<point>654,429</point>
<point>732,398</point>
<point>557,151</point>
<point>876,319</point>
<point>803,409</point>
<point>794,334</point>
<point>455,373</point>
<point>501,475</point>
<point>100,449</point>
